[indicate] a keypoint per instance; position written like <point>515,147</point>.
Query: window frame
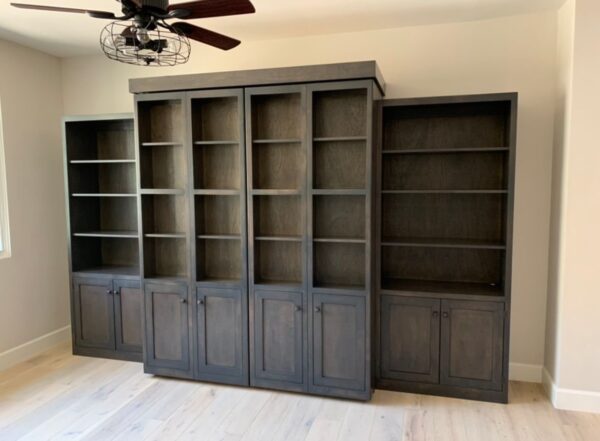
<point>5,249</point>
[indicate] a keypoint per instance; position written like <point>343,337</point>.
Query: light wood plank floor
<point>57,396</point>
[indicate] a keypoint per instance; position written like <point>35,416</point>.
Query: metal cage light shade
<point>122,41</point>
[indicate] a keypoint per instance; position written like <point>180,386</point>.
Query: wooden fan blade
<point>93,13</point>
<point>205,36</point>
<point>214,8</point>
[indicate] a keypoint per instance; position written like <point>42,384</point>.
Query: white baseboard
<point>570,399</point>
<point>33,347</point>
<point>530,373</point>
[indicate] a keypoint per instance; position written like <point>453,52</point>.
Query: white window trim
<point>4,228</point>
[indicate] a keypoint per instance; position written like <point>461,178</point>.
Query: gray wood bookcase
<point>101,191</point>
<point>445,211</point>
<point>256,222</point>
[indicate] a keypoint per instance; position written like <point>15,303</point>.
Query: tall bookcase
<point>100,182</point>
<point>445,241</point>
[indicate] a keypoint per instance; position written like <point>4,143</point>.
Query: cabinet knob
<point>183,300</point>
<point>298,308</point>
<point>317,309</point>
<point>109,291</point>
<point>435,313</point>
<point>445,315</point>
<point>200,302</point>
<point>117,293</point>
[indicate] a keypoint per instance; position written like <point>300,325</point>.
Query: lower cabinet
<point>338,346</point>
<point>107,316</point>
<point>222,333</point>
<point>452,347</point>
<point>168,324</point>
<point>278,347</point>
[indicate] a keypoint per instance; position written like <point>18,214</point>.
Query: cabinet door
<point>277,346</point>
<point>94,313</point>
<point>472,344</point>
<point>221,335</point>
<point>410,339</point>
<point>338,342</point>
<point>128,315</point>
<point>167,329</point>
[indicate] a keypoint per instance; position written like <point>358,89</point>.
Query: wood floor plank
<point>60,397</point>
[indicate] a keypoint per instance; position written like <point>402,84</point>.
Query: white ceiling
<point>67,35</point>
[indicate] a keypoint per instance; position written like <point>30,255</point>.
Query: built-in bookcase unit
<point>446,199</point>
<point>101,187</point>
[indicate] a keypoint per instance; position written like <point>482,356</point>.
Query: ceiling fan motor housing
<point>158,4</point>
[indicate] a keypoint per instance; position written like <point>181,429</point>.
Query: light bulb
<point>142,36</point>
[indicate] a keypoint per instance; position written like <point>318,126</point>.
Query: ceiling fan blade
<point>205,36</point>
<point>90,12</point>
<point>213,8</point>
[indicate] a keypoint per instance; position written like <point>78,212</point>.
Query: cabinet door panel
<point>472,344</point>
<point>94,313</point>
<point>128,315</point>
<point>221,334</point>
<point>167,326</point>
<point>410,339</point>
<point>278,329</point>
<point>339,341</point>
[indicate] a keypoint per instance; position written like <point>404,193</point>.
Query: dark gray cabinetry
<point>167,318</point>
<point>410,338</point>
<point>108,317</point>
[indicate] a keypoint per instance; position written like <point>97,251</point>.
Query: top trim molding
<point>359,70</point>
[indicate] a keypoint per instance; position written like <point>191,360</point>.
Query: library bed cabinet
<point>100,180</point>
<point>290,229</point>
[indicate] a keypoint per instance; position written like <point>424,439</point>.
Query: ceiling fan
<point>143,36</point>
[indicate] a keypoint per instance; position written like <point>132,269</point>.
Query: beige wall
<point>507,54</point>
<point>33,281</point>
<point>579,292</point>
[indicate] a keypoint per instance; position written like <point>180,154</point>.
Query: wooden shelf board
<point>339,138</point>
<point>107,233</point>
<point>104,195</point>
<point>111,269</point>
<point>218,281</point>
<point>219,236</point>
<point>442,243</point>
<point>339,240</point>
<point>163,279</point>
<point>338,287</point>
<point>280,238</point>
<point>216,142</point>
<point>457,150</point>
<point>166,235</point>
<point>162,144</point>
<point>277,141</point>
<point>217,192</point>
<point>340,192</point>
<point>437,287</point>
<point>162,191</point>
<point>277,283</point>
<point>276,192</point>
<point>102,161</point>
<point>444,191</point>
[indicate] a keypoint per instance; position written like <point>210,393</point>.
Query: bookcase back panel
<point>219,259</point>
<point>277,116</point>
<point>106,214</point>
<point>215,119</point>
<point>449,216</point>
<point>93,140</point>
<point>164,214</point>
<point>89,253</point>
<point>339,217</point>
<point>339,265</point>
<point>163,167</point>
<point>278,262</point>
<point>278,166</point>
<point>449,171</point>
<point>218,215</point>
<point>443,264</point>
<point>340,113</point>
<point>165,257</point>
<point>445,126</point>
<point>278,216</point>
<point>217,167</point>
<point>339,165</point>
<point>161,121</point>
<point>102,178</point>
